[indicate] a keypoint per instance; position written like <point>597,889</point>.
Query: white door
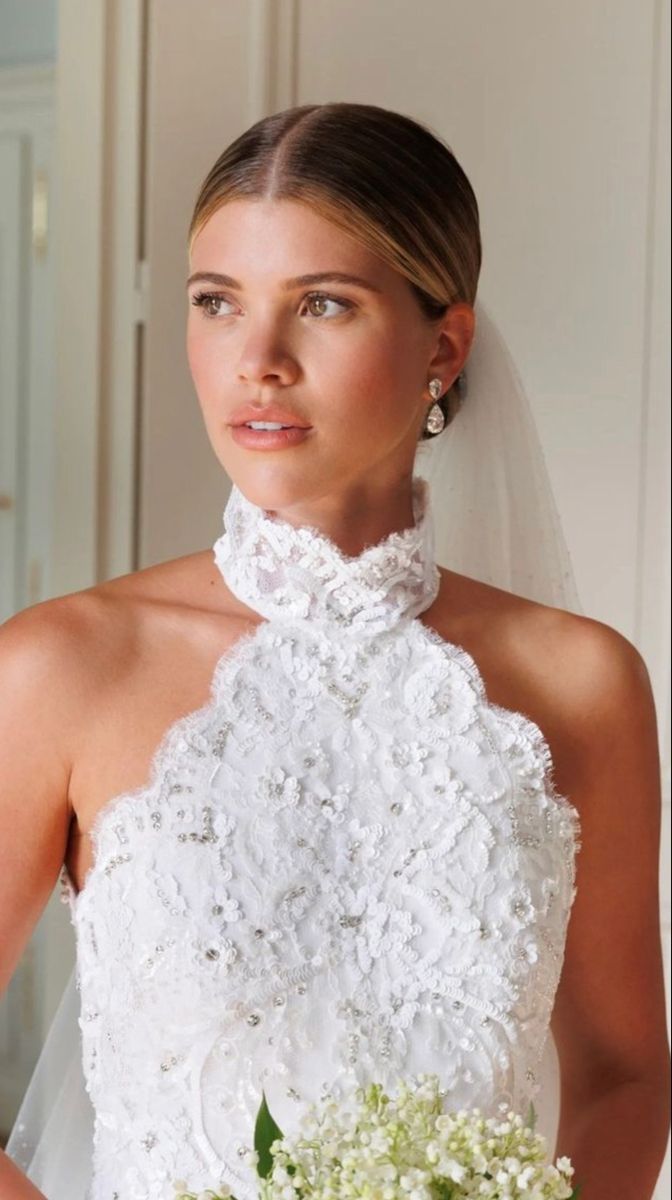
<point>26,441</point>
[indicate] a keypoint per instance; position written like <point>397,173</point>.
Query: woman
<point>354,853</point>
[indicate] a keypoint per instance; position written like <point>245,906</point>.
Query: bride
<point>316,799</point>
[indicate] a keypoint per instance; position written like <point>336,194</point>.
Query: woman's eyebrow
<point>297,281</point>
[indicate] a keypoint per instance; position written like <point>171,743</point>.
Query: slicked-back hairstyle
<point>383,177</point>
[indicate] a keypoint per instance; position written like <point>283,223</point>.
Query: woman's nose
<point>265,353</point>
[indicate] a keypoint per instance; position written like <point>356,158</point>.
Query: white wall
<point>200,48</point>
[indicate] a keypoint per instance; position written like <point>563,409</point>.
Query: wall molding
<point>99,162</point>
<point>80,116</point>
<point>26,87</point>
<point>652,574</point>
<point>272,57</point>
<point>125,286</point>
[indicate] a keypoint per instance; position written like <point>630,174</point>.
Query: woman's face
<point>350,360</point>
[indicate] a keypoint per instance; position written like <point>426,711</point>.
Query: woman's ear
<point>454,341</point>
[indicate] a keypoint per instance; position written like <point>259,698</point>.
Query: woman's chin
<point>276,486</point>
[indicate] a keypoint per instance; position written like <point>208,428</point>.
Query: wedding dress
<point>348,865</point>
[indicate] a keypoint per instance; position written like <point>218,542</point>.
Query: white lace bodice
<point>348,865</point>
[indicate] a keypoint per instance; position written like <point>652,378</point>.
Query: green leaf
<point>265,1133</point>
<point>531,1116</point>
<point>442,1189</point>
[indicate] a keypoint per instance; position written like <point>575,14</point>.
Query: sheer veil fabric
<point>495,514</point>
<point>495,520</point>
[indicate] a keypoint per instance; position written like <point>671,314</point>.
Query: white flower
<point>454,1170</point>
<point>403,1146</point>
<point>226,907</point>
<point>279,788</point>
<point>410,756</point>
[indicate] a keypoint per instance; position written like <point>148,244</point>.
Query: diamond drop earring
<point>435,419</point>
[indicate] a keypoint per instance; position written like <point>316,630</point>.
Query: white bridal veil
<point>495,520</point>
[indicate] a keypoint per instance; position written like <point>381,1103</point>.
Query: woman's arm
<point>609,1016</point>
<point>13,1183</point>
<point>37,673</point>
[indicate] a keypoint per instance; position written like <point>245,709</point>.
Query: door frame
<point>101,286</point>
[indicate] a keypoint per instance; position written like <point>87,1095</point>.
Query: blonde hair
<point>382,177</point>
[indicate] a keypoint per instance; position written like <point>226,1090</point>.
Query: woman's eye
<point>321,300</point>
<point>318,303</point>
<point>208,301</point>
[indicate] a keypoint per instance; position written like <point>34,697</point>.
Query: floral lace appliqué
<point>347,864</point>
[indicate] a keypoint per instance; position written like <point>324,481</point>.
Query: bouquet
<point>374,1146</point>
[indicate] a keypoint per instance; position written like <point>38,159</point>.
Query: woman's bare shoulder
<point>65,645</point>
<point>60,663</point>
<point>498,621</point>
<point>563,669</point>
<point>504,617</point>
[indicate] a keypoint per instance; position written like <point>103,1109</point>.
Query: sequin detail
<point>347,864</point>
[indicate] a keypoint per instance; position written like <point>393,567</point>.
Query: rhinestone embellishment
<point>435,420</point>
<point>435,387</point>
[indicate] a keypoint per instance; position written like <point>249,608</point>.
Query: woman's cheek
<point>206,369</point>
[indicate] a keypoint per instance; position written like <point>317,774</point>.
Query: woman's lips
<point>268,439</point>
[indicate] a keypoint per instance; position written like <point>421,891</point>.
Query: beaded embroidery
<point>348,864</point>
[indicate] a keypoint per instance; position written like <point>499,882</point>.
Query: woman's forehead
<point>275,231</point>
<point>285,245</point>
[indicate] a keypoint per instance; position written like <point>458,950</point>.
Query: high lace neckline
<point>287,572</point>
